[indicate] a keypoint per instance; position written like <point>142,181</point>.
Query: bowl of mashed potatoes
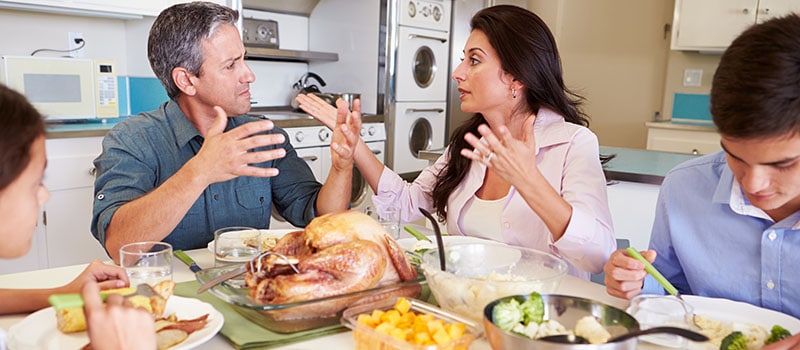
<point>479,272</point>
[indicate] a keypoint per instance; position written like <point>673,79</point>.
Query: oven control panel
<point>428,14</point>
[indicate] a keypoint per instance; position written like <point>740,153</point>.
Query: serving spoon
<point>577,339</point>
<point>439,241</point>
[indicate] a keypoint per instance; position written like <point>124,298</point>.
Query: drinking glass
<point>236,245</point>
<point>389,220</point>
<point>146,262</point>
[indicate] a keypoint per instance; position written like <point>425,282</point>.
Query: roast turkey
<point>336,254</point>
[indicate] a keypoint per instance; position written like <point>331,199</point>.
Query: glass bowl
<point>478,273</point>
<point>368,338</point>
<point>305,315</point>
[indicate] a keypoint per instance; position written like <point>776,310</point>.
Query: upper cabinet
<point>711,25</point>
<point>98,8</point>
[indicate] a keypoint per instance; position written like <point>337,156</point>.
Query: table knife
<point>181,255</point>
<point>223,277</point>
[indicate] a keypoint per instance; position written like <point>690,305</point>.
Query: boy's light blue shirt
<point>711,242</point>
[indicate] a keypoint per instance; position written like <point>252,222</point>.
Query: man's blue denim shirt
<point>141,153</point>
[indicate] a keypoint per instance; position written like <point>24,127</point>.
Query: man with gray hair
<point>197,163</point>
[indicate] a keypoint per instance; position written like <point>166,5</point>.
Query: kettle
<point>303,86</point>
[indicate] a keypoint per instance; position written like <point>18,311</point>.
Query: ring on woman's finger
<point>488,157</point>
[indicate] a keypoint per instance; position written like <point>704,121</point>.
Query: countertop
<point>99,127</point>
<point>633,165</point>
<point>680,125</point>
<point>638,165</point>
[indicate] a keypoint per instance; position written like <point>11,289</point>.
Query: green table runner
<point>242,333</point>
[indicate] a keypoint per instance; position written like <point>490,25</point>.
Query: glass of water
<point>236,245</point>
<point>389,220</point>
<point>146,262</point>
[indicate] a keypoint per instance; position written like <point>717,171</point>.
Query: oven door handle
<point>310,158</point>
<point>417,36</point>
<point>417,110</point>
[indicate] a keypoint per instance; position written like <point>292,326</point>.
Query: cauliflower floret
<point>589,328</point>
<point>551,327</point>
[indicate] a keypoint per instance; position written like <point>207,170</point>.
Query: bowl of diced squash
<point>406,323</point>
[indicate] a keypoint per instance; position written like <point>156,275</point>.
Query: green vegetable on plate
<point>777,333</point>
<point>734,341</point>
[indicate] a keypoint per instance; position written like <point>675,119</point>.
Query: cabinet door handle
<point>745,11</point>
<point>93,171</point>
<point>376,151</point>
<point>310,158</point>
<point>695,151</point>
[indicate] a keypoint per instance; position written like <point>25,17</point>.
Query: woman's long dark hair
<point>527,50</point>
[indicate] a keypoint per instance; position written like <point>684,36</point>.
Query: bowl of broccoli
<point>519,321</point>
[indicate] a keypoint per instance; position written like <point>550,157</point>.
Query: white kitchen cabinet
<point>711,25</point>
<point>633,208</point>
<point>67,216</point>
<point>689,140</point>
<point>99,8</point>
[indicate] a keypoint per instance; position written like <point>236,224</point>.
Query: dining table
<point>53,277</point>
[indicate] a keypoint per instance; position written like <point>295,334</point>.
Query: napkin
<point>244,334</point>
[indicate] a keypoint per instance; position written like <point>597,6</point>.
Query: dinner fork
<point>661,279</point>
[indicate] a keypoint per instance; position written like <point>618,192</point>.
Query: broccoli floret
<point>777,333</point>
<point>734,341</point>
<point>533,309</point>
<point>507,314</point>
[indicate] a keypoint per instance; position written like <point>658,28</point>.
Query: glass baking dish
<point>305,315</point>
<point>368,338</point>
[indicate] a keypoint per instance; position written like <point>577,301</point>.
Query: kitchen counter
<point>99,127</point>
<point>678,125</point>
<point>59,276</point>
<point>642,166</point>
<point>633,165</point>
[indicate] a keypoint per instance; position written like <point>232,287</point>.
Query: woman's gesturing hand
<point>511,158</point>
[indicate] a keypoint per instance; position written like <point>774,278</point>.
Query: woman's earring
<point>513,93</point>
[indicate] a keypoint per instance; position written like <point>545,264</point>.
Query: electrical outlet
<point>76,41</point>
<point>693,77</point>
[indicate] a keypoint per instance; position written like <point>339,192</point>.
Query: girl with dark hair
<point>112,325</point>
<point>525,169</point>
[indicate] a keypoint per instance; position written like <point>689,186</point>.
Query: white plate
<point>264,233</point>
<point>39,330</point>
<point>738,312</point>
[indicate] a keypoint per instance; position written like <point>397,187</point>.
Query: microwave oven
<point>64,88</point>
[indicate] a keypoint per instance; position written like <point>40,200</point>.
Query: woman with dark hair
<point>113,325</point>
<point>524,169</point>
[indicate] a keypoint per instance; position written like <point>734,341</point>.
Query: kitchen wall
<point>614,53</point>
<point>125,41</point>
<point>673,82</point>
